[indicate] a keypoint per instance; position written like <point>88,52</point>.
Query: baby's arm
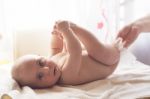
<point>56,43</point>
<point>73,46</point>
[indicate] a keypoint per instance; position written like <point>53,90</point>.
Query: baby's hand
<point>62,26</point>
<point>57,33</point>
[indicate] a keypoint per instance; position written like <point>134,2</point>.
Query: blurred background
<point>25,25</point>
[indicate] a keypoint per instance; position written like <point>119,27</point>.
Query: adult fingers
<point>132,36</point>
<point>124,32</point>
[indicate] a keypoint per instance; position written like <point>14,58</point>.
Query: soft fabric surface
<point>131,80</point>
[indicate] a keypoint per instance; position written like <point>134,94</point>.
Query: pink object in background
<point>100,25</point>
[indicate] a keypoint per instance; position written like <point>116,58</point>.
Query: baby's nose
<point>46,70</point>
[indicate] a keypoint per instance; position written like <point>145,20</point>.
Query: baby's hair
<point>15,74</point>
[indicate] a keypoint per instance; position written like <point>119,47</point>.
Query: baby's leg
<point>106,54</point>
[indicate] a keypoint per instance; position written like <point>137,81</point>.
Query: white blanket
<point>131,80</point>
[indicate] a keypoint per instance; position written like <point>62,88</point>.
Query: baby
<point>69,63</point>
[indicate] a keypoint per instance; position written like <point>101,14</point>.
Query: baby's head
<point>35,71</point>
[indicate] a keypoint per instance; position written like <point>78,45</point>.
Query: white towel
<point>131,80</point>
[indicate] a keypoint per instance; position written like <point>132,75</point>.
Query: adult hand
<point>129,34</point>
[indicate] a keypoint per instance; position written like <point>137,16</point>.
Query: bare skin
<point>74,65</point>
<point>97,60</point>
<point>130,32</point>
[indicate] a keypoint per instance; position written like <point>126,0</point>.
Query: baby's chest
<point>89,71</point>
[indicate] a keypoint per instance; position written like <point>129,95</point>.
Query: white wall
<point>141,8</point>
<point>26,15</point>
<point>135,9</point>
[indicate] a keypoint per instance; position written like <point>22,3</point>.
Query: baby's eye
<point>40,76</point>
<point>42,62</point>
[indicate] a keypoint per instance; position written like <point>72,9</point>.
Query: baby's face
<point>39,72</point>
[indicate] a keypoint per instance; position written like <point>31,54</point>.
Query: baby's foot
<point>72,24</point>
<point>119,44</point>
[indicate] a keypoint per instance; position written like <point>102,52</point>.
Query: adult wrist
<point>138,27</point>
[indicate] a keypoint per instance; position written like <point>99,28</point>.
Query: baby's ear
<point>119,44</point>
